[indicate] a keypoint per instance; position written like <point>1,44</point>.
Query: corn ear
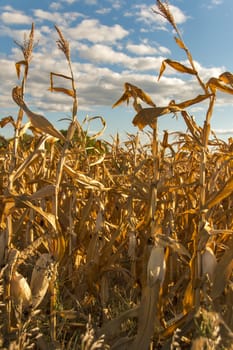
<point>208,262</point>
<point>156,266</point>
<point>41,275</point>
<point>20,291</point>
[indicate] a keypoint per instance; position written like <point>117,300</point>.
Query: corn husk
<point>20,291</point>
<point>209,263</point>
<point>41,275</point>
<point>156,266</point>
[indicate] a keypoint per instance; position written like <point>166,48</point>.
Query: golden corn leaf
<point>136,91</point>
<point>220,195</point>
<point>57,246</point>
<point>124,98</point>
<point>18,67</point>
<point>197,99</point>
<point>188,300</point>
<point>227,78</point>
<point>216,84</point>
<point>147,116</point>
<point>64,90</point>
<point>180,43</point>
<point>39,122</point>
<point>223,272</point>
<point>7,120</point>
<point>41,276</point>
<point>175,65</point>
<point>50,218</point>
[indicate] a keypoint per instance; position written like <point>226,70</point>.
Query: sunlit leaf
<point>216,84</point>
<point>180,43</point>
<point>18,67</point>
<point>65,91</point>
<point>124,98</point>
<point>7,120</point>
<point>226,191</point>
<point>227,78</point>
<point>177,66</point>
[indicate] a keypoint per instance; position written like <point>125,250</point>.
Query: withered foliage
<point>117,245</point>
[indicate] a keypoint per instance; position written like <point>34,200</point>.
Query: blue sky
<point>113,42</point>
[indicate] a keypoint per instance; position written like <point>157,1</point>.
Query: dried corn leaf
<point>223,272</point>
<point>147,116</point>
<point>147,317</point>
<point>44,192</point>
<point>216,84</point>
<point>177,66</point>
<point>134,92</point>
<point>3,246</point>
<point>137,92</point>
<point>189,298</point>
<point>57,246</point>
<point>7,120</point>
<point>227,78</point>
<point>193,101</point>
<point>103,122</point>
<point>83,179</point>
<point>166,241</point>
<point>124,98</point>
<point>180,43</point>
<point>18,67</point>
<point>50,218</point>
<point>221,194</point>
<point>41,276</point>
<point>39,122</point>
<point>68,92</point>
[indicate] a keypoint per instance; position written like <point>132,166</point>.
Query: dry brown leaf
<point>216,84</point>
<point>177,66</point>
<point>18,67</point>
<point>134,92</point>
<point>147,317</point>
<point>227,78</point>
<point>180,43</point>
<point>124,98</point>
<point>221,194</point>
<point>68,92</point>
<point>147,116</point>
<point>49,217</point>
<point>39,122</point>
<point>7,120</point>
<point>223,272</point>
<point>195,100</point>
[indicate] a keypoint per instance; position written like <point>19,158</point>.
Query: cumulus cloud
<point>146,15</point>
<point>96,32</point>
<point>11,16</point>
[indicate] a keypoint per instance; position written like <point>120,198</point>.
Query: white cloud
<point>15,17</point>
<point>94,31</point>
<point>56,17</point>
<point>145,14</point>
<point>104,10</point>
<point>141,49</point>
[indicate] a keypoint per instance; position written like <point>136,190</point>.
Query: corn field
<point>121,245</point>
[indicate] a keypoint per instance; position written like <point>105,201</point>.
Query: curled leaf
<point>227,78</point>
<point>215,84</point>
<point>177,66</point>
